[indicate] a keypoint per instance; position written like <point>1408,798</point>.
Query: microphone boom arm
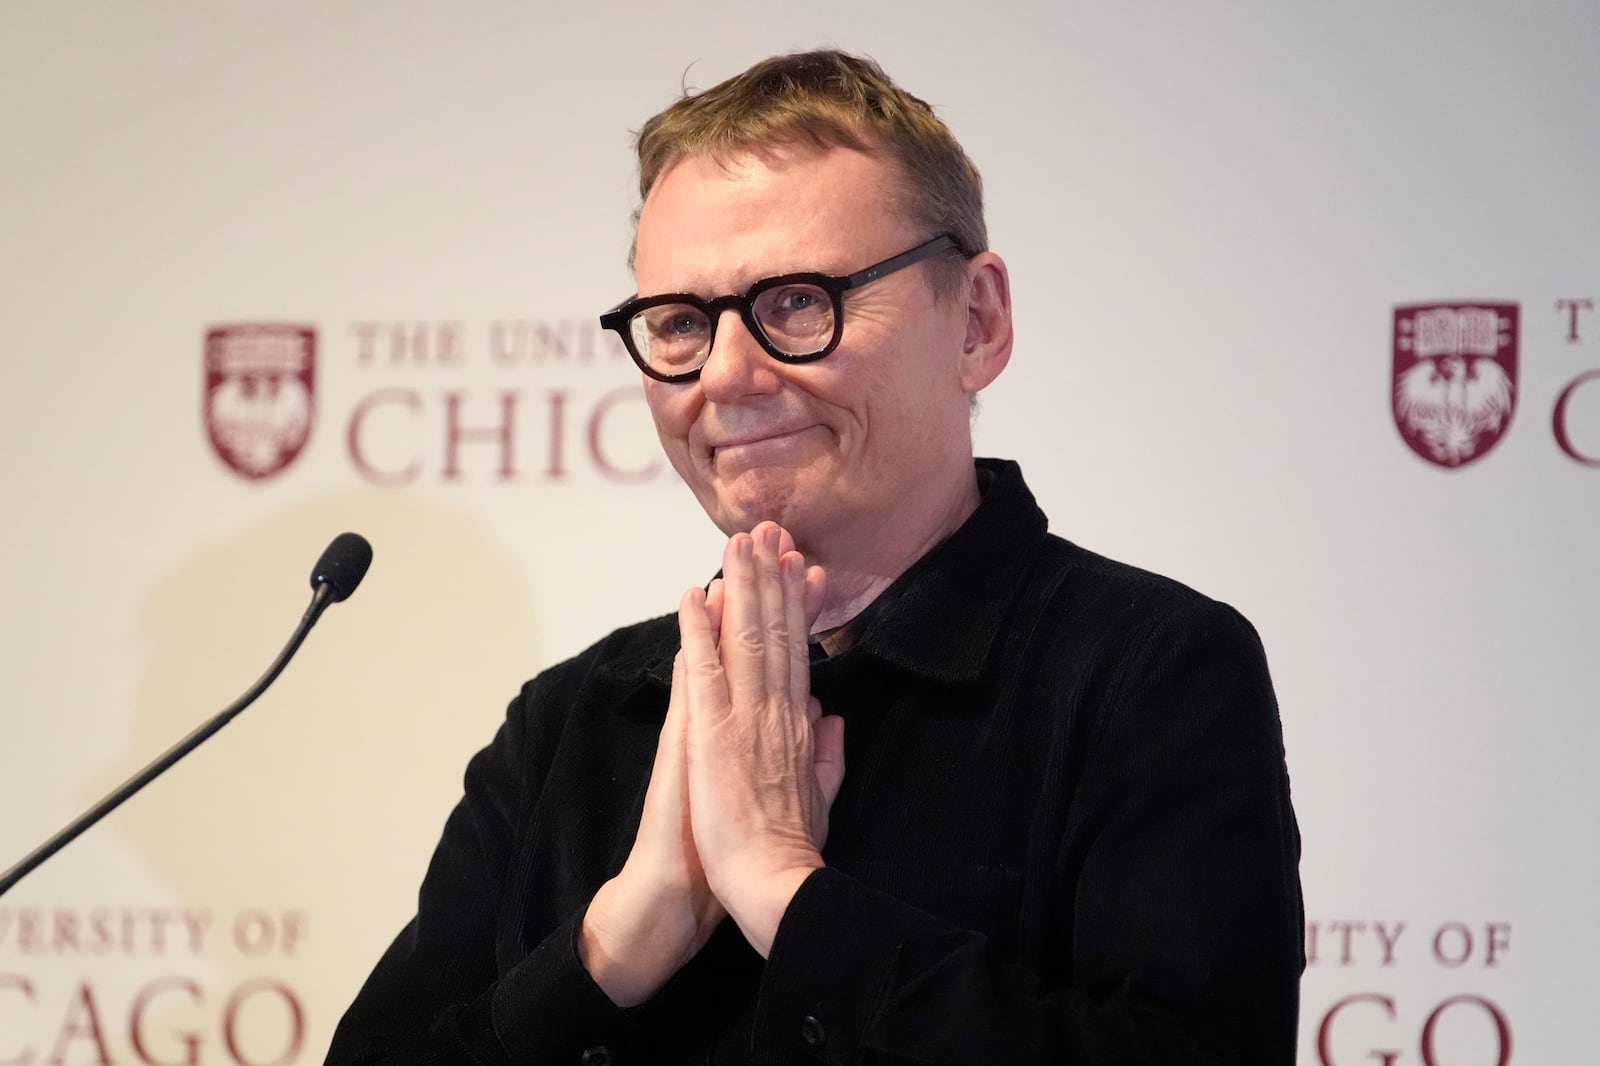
<point>332,588</point>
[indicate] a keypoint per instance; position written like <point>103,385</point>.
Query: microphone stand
<point>324,594</point>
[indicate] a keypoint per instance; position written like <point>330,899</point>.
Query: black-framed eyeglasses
<point>796,318</point>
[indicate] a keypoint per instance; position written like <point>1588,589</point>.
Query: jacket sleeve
<point>1177,878</point>
<point>440,994</point>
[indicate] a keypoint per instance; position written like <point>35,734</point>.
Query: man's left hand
<point>764,764</point>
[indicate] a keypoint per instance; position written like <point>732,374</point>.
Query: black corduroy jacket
<point>1064,836</point>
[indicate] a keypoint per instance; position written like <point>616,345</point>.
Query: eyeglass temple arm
<point>942,243</point>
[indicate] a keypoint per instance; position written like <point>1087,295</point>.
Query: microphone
<point>343,564</point>
<point>339,570</point>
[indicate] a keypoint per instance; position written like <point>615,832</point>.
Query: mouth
<point>760,446</point>
<point>755,437</point>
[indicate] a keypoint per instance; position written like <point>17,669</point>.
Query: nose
<point>737,365</point>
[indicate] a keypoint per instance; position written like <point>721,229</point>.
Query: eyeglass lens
<point>795,319</point>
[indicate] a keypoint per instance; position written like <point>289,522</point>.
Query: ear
<point>987,348</point>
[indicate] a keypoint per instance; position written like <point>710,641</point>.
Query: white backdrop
<point>1210,212</point>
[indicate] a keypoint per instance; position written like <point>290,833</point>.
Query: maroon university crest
<point>260,394</point>
<point>1455,378</point>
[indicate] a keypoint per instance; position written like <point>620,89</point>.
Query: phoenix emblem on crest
<point>259,398</point>
<point>257,419</point>
<point>1455,379</point>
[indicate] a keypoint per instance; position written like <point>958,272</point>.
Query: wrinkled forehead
<point>714,226</point>
<point>879,179</point>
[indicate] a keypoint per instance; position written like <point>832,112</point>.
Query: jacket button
<point>812,1032</point>
<point>597,1056</point>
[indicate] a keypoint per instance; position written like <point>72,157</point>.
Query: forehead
<point>714,224</point>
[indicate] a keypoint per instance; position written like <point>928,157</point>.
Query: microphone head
<point>342,566</point>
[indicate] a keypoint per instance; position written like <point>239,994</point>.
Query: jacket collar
<point>941,618</point>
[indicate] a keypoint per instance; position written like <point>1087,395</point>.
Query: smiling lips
<point>753,448</point>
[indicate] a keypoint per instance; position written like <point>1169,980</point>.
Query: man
<point>911,780</point>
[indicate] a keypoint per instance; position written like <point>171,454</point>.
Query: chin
<point>759,496</point>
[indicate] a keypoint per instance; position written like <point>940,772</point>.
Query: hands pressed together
<point>745,772</point>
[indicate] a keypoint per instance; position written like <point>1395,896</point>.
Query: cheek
<point>894,383</point>
<point>913,408</point>
<point>672,408</point>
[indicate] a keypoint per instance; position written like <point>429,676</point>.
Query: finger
<point>782,630</point>
<point>816,590</point>
<point>757,660</point>
<point>714,608</point>
<point>815,581</point>
<point>703,689</point>
<point>827,756</point>
<point>672,753</point>
<point>742,644</point>
<point>786,545</point>
<point>795,623</point>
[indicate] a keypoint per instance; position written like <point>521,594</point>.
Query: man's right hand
<point>645,923</point>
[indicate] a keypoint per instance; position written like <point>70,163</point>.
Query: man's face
<point>836,450</point>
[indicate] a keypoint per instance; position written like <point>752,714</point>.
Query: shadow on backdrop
<point>300,832</point>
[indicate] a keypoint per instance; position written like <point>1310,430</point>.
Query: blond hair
<point>833,100</point>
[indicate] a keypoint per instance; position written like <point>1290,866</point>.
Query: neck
<point>860,568</point>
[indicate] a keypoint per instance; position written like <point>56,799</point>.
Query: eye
<point>683,324</point>
<point>797,299</point>
<point>675,322</point>
<point>793,305</point>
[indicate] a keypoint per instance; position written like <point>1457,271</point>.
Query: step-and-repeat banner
<point>1306,318</point>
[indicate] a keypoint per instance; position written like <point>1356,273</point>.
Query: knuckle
<point>750,638</point>
<point>706,668</point>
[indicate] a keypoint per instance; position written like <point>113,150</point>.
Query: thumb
<point>827,754</point>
